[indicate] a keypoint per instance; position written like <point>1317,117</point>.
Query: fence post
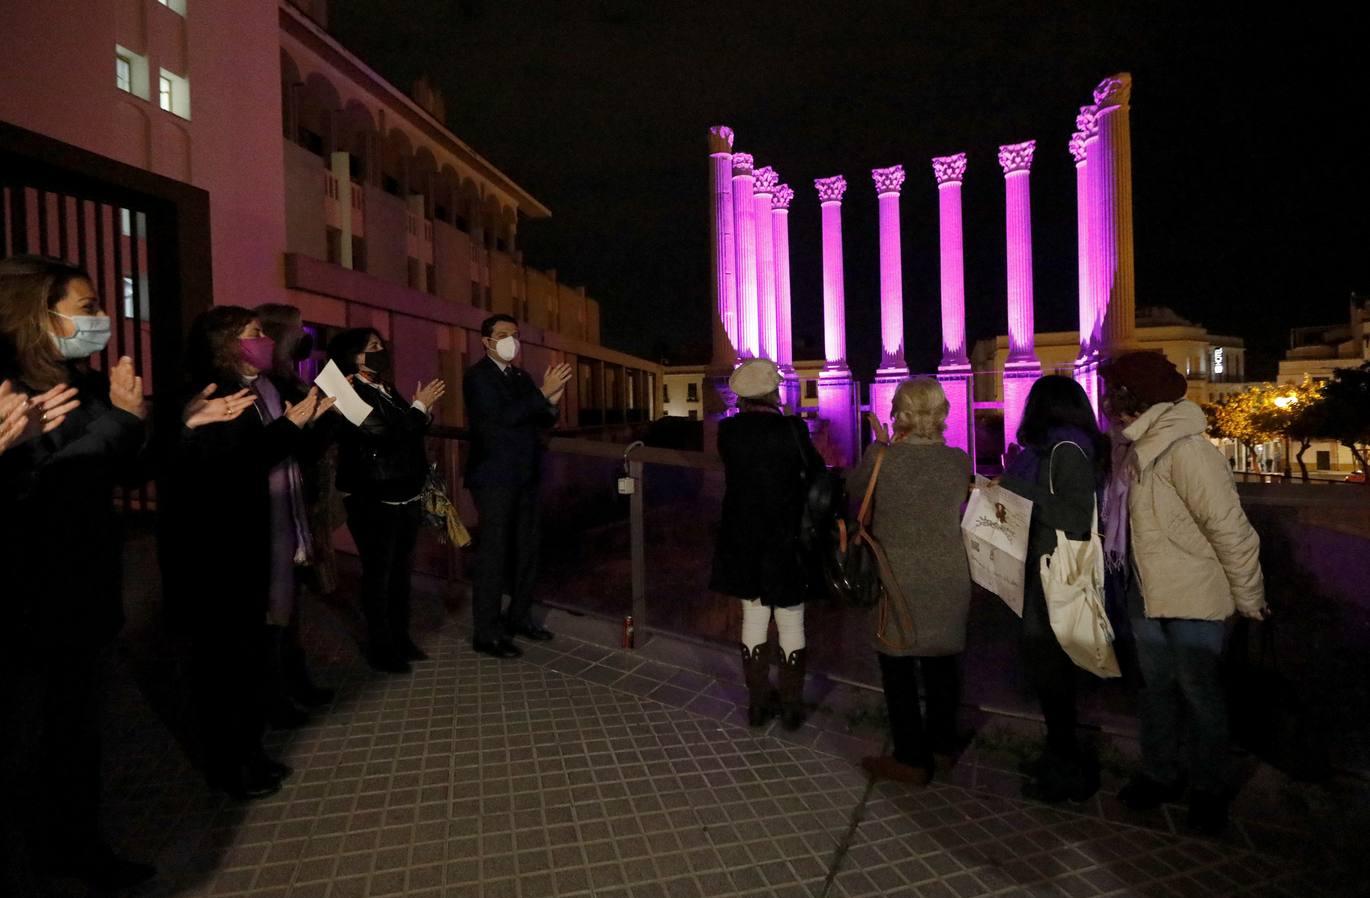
<point>639,549</point>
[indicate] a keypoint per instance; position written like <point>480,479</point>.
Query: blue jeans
<point>1180,668</point>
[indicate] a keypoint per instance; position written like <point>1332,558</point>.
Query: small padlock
<point>626,486</point>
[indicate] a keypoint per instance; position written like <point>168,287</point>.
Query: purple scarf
<point>290,538</point>
<point>1115,511</point>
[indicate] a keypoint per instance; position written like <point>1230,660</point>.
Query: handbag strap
<point>863,514</point>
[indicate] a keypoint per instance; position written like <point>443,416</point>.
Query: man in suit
<point>508,413</point>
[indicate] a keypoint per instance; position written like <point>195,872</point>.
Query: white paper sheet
<point>332,381</point>
<point>995,532</point>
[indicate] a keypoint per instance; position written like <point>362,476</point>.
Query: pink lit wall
<point>830,192</point>
<point>949,171</point>
<point>766,181</point>
<point>744,235</point>
<point>780,232</point>
<point>724,262</point>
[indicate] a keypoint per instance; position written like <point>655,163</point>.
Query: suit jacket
<point>508,415</point>
<point>383,458</point>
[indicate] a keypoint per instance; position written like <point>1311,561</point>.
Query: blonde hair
<point>920,409</point>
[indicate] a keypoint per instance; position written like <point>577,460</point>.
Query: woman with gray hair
<point>920,485</point>
<point>766,455</point>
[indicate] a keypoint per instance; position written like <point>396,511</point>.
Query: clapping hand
<point>430,395</point>
<point>310,407</point>
<point>878,428</point>
<point>203,410</point>
<point>126,389</point>
<point>555,380</point>
<point>22,417</point>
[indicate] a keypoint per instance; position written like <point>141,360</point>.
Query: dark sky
<point>1250,168</point>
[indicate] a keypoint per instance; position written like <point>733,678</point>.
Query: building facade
<point>1316,353</point>
<point>330,188</point>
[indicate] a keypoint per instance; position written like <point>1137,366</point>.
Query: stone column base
<point>958,383</point>
<point>839,405</point>
<point>887,381</point>
<point>1018,380</point>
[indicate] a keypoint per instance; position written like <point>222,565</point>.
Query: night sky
<point>1250,181</point>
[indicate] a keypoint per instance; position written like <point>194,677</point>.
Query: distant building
<point>1316,353</point>
<point>330,188</point>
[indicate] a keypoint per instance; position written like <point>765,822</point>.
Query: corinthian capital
<point>742,164</point>
<point>1017,156</point>
<point>782,196</point>
<point>766,179</point>
<point>720,139</point>
<point>830,190</point>
<point>888,180</point>
<point>1087,122</point>
<point>949,169</point>
<point>1077,146</point>
<point>1114,91</point>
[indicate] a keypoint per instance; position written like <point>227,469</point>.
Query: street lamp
<point>1282,403</point>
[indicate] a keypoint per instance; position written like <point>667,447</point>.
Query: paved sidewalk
<point>586,771</point>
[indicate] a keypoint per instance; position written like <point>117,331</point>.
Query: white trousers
<point>756,625</point>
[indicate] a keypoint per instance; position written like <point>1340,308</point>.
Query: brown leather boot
<point>761,698</point>
<point>792,670</point>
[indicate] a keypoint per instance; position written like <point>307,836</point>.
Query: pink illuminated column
<point>1110,194</point>
<point>838,403</point>
<point>954,372</point>
<point>724,262</point>
<point>766,181</point>
<point>830,192</point>
<point>893,371</point>
<point>744,236</point>
<point>1085,365</point>
<point>784,328</point>
<point>1022,368</point>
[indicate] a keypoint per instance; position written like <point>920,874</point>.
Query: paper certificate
<point>335,384</point>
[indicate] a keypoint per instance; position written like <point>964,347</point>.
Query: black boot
<point>298,684</point>
<point>1061,778</point>
<point>761,698</point>
<point>792,669</point>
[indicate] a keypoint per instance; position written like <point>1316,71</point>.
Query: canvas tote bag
<point>1073,581</point>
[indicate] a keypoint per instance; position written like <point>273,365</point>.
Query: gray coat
<point>917,520</point>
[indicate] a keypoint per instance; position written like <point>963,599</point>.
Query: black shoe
<point>498,648</point>
<point>286,715</point>
<point>388,663</point>
<point>266,767</point>
<point>103,870</point>
<point>411,652</point>
<point>1064,780</point>
<point>1208,812</point>
<point>532,631</point>
<point>310,696</point>
<point>1142,793</point>
<point>245,785</point>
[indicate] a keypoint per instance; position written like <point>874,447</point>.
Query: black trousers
<point>1049,670</point>
<point>915,742</point>
<point>49,760</point>
<point>385,536</point>
<point>227,679</point>
<point>510,534</point>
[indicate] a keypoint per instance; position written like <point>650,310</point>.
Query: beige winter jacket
<point>1195,552</point>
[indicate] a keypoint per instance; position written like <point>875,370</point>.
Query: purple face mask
<point>259,352</point>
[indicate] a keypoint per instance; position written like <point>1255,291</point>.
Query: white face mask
<point>507,348</point>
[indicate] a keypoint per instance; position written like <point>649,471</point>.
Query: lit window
<point>176,6</point>
<point>692,392</point>
<point>173,93</point>
<point>128,297</point>
<point>130,72</point>
<point>123,73</point>
<point>164,91</point>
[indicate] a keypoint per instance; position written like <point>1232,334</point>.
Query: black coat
<point>216,519</point>
<point>63,539</point>
<point>764,456</point>
<point>383,458</point>
<point>508,416</point>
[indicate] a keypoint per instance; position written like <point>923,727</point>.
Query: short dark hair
<point>212,353</point>
<point>344,348</point>
<point>487,327</point>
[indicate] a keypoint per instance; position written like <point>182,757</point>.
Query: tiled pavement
<point>585,771</point>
